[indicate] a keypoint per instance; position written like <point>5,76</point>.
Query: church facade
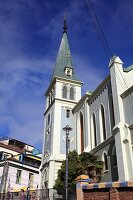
<point>101,121</point>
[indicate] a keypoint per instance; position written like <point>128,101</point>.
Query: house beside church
<point>101,121</point>
<point>19,165</point>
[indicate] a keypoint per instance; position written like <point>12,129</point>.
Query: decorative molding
<point>102,145</point>
<point>115,130</point>
<point>98,91</point>
<point>127,92</point>
<point>86,185</point>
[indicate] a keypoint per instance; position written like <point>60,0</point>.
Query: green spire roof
<point>64,58</point>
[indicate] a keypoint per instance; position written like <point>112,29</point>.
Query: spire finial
<point>65,25</point>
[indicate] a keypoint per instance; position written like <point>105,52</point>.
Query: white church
<point>101,121</point>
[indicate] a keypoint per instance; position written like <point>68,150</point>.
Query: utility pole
<point>4,177</point>
<point>67,129</point>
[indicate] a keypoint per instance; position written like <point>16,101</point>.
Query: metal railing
<point>39,194</point>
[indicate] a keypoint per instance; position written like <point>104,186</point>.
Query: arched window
<point>52,94</point>
<point>82,131</point>
<point>105,161</point>
<point>72,93</point>
<point>48,123</point>
<point>94,129</point>
<point>64,92</point>
<point>103,122</point>
<point>111,111</point>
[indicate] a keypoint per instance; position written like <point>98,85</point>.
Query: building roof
<point>10,147</point>
<point>15,140</point>
<point>64,58</point>
<point>127,69</point>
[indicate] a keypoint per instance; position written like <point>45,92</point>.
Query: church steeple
<point>63,66</point>
<point>62,95</point>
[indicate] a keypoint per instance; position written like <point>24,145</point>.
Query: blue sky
<point>30,35</point>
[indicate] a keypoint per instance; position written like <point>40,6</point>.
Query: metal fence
<point>42,194</point>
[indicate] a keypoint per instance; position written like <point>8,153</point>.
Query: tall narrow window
<point>67,113</point>
<point>64,92</point>
<point>94,130</point>
<point>72,93</point>
<point>48,123</point>
<point>111,111</point>
<point>105,162</point>
<point>18,177</point>
<point>82,131</point>
<point>31,179</point>
<point>114,158</point>
<point>103,122</point>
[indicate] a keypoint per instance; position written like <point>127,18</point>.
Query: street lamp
<point>67,129</point>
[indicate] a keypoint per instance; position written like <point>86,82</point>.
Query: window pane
<point>82,131</point>
<point>67,113</point>
<point>18,177</point>
<point>94,128</point>
<point>64,92</point>
<point>31,179</point>
<point>105,161</point>
<point>72,93</point>
<point>48,119</point>
<point>103,122</point>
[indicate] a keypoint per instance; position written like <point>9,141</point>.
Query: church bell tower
<point>62,95</point>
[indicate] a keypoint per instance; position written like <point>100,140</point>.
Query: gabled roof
<point>64,58</point>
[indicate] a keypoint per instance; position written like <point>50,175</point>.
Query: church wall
<point>121,82</point>
<point>56,131</point>
<point>95,107</point>
<point>60,121</point>
<point>128,78</point>
<point>66,121</point>
<point>111,174</point>
<point>128,109</point>
<point>48,132</point>
<point>84,111</point>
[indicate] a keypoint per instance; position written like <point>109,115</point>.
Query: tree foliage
<point>85,163</point>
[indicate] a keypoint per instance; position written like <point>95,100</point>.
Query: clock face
<point>68,72</point>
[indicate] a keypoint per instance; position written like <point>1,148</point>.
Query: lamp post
<point>67,129</point>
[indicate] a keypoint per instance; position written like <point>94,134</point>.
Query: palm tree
<point>91,166</point>
<point>85,163</point>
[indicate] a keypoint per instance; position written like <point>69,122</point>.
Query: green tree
<point>85,163</point>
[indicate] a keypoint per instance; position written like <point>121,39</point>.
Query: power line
<point>94,19</point>
<point>95,22</point>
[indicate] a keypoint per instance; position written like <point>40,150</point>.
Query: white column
<point>122,136</point>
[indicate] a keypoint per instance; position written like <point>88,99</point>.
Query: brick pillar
<point>114,194</point>
<point>80,181</point>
